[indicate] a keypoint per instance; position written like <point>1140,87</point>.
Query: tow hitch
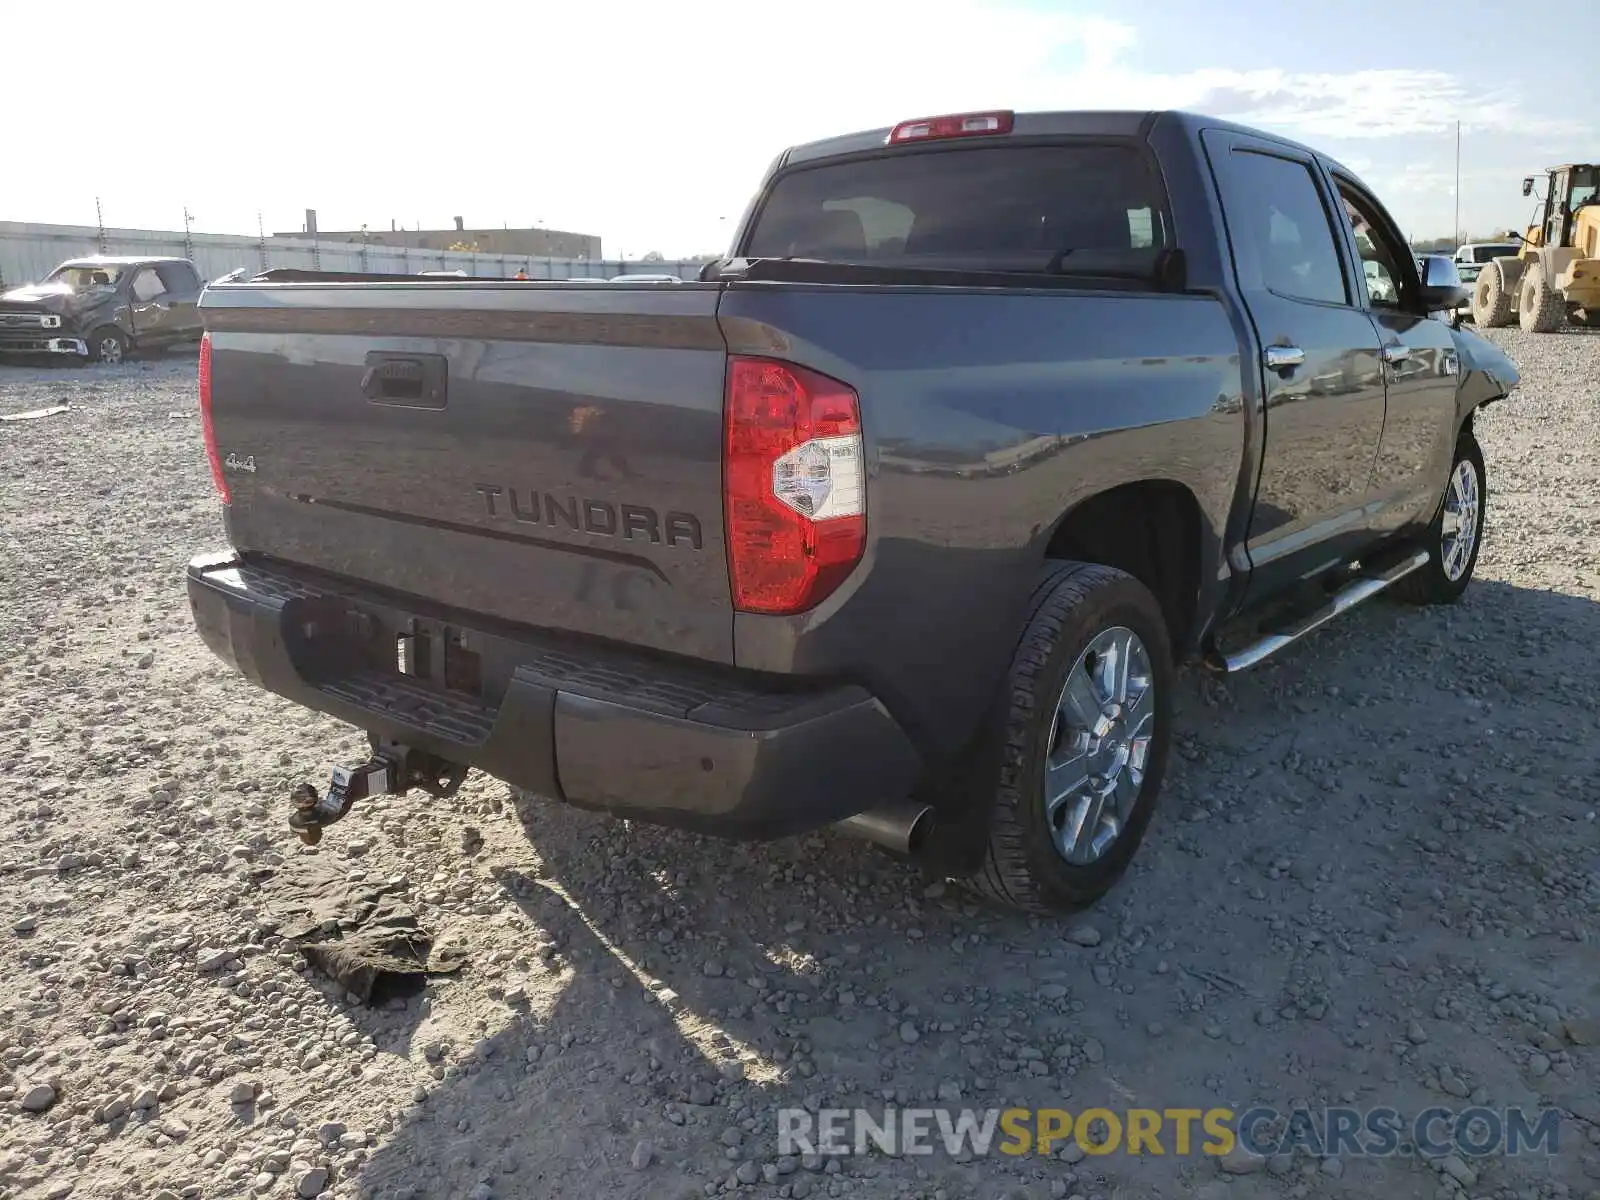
<point>392,770</point>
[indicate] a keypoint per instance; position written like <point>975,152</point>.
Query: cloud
<point>1360,104</point>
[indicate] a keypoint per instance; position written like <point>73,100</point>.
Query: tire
<point>108,345</point>
<point>1075,607</point>
<point>1539,310</point>
<point>1491,303</point>
<point>1444,577</point>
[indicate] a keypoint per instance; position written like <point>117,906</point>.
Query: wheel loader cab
<point>1569,210</point>
<point>1554,278</point>
<point>1583,211</point>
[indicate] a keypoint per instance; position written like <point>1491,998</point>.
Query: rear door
<point>182,299</point>
<point>1322,372</point>
<point>149,308</point>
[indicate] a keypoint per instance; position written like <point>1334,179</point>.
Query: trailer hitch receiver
<point>391,771</point>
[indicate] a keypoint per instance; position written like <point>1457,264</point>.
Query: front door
<point>1555,226</point>
<point>1420,362</point>
<point>1322,375</point>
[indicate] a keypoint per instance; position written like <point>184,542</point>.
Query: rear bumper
<point>601,727</point>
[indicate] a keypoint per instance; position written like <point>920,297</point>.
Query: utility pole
<point>1458,184</point>
<point>261,240</point>
<point>188,237</point>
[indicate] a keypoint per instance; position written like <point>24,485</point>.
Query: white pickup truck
<point>1470,259</point>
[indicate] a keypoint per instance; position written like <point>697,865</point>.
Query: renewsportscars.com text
<point>1431,1133</point>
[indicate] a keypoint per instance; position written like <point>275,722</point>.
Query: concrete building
<point>531,243</point>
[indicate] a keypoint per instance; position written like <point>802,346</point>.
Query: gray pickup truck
<point>900,519</point>
<point>100,308</point>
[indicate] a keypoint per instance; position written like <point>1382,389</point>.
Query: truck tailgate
<point>545,454</point>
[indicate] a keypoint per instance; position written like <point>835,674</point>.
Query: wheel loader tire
<point>1491,302</point>
<point>1539,309</point>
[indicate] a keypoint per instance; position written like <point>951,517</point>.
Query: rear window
<point>1001,208</point>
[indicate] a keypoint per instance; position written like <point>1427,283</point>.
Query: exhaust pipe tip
<point>900,828</point>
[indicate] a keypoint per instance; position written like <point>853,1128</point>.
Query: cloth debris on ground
<point>35,414</point>
<point>359,932</point>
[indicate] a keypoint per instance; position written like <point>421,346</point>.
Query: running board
<point>1353,593</point>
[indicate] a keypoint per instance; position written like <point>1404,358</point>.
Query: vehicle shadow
<point>700,985</point>
<point>694,997</point>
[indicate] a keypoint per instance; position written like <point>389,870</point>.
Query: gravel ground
<point>1374,881</point>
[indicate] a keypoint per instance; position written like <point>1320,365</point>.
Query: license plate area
<point>330,638</point>
<point>441,655</point>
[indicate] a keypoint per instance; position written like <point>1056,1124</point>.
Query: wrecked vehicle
<point>100,308</point>
<point>898,520</point>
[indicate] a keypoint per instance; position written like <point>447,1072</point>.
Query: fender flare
<point>1511,272</point>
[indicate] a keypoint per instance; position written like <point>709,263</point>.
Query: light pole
<point>1458,185</point>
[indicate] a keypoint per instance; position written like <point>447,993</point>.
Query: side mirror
<point>1442,289</point>
<point>1527,185</point>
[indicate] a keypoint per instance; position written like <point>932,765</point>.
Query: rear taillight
<point>794,485</point>
<point>206,425</point>
<point>955,125</point>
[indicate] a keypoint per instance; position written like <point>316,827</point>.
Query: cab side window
<point>1382,276</point>
<point>1280,210</point>
<point>147,286</point>
<point>178,277</point>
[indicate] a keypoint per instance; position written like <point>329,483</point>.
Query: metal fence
<point>29,252</point>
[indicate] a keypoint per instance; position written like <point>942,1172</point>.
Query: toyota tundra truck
<point>899,520</point>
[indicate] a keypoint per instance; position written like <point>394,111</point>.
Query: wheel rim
<point>1099,748</point>
<point>110,350</point>
<point>1462,503</point>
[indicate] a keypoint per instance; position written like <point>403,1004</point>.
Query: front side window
<point>1381,272</point>
<point>1585,183</point>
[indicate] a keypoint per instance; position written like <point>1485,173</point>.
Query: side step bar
<point>1346,598</point>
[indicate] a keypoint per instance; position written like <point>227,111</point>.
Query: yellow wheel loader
<point>1555,277</point>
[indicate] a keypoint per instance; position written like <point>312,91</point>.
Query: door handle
<point>408,380</point>
<point>1283,358</point>
<point>1395,353</point>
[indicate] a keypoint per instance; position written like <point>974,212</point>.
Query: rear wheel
<point>1491,302</point>
<point>1077,743</point>
<point>107,344</point>
<point>1539,310</point>
<point>1456,533</point>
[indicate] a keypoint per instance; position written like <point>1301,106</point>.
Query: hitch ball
<point>303,820</point>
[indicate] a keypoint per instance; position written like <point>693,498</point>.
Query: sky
<point>650,124</point>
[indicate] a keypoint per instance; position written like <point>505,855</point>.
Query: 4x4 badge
<point>235,463</point>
